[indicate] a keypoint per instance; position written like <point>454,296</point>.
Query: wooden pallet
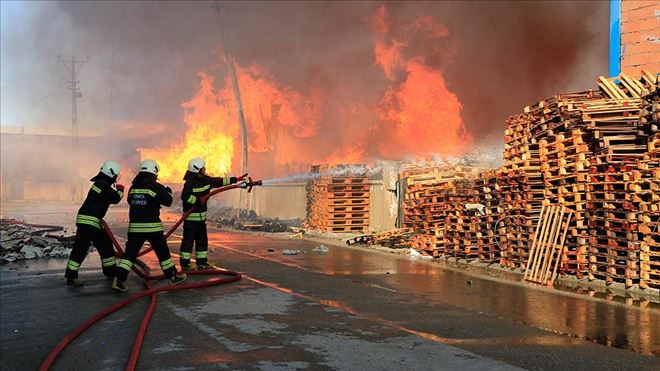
<point>547,245</point>
<point>338,203</point>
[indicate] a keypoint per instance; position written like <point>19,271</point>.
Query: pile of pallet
<point>594,153</point>
<point>338,204</point>
<point>521,184</point>
<point>490,187</point>
<point>613,226</point>
<point>432,194</point>
<point>646,193</point>
<point>467,236</point>
<point>619,139</point>
<point>425,210</point>
<point>565,165</point>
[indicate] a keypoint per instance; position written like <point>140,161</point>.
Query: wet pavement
<point>344,309</point>
<point>245,325</point>
<point>579,316</point>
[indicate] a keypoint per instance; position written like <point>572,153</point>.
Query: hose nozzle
<point>248,184</point>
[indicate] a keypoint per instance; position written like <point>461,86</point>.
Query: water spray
<point>344,170</point>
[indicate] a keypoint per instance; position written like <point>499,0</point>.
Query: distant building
<point>41,164</point>
<point>634,36</point>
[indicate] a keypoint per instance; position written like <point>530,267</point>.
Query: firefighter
<point>195,192</point>
<point>104,192</point>
<point>145,199</point>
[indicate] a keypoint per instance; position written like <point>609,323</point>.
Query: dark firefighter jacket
<point>145,200</point>
<point>196,187</point>
<point>101,195</point>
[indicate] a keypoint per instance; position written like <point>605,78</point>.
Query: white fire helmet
<point>196,164</point>
<point>149,166</point>
<point>110,168</point>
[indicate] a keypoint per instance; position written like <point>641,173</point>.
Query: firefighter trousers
<point>133,246</point>
<point>87,235</point>
<point>194,234</point>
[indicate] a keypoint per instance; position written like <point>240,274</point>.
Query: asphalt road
<point>345,309</point>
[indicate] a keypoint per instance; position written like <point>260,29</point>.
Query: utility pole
<point>112,88</point>
<point>237,96</point>
<point>73,66</point>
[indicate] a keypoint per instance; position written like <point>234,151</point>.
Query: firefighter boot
<point>118,285</point>
<point>186,264</point>
<point>205,264</point>
<point>177,279</point>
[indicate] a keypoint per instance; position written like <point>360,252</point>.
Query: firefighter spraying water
<point>195,193</point>
<point>104,192</point>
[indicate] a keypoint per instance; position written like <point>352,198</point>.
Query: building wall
<point>52,191</point>
<point>640,36</point>
<point>46,167</point>
<point>383,203</point>
<point>284,201</point>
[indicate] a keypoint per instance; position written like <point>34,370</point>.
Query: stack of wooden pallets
<point>338,204</point>
<point>489,186</point>
<point>594,154</point>
<point>521,185</point>
<point>428,209</point>
<point>619,139</point>
<point>615,128</point>
<point>646,193</point>
<point>432,193</point>
<point>524,201</point>
<point>613,226</point>
<point>564,158</point>
<point>424,209</point>
<point>465,230</point>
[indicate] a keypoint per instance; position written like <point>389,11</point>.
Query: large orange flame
<point>425,113</point>
<point>209,135</point>
<point>276,117</point>
<point>288,130</point>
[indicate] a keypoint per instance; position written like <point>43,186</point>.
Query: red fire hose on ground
<point>141,269</point>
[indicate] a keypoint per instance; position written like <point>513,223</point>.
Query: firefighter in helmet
<point>145,199</point>
<point>195,192</point>
<point>104,192</point>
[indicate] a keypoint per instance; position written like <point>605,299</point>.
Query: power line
<point>73,66</point>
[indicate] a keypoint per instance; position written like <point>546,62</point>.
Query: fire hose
<point>142,270</point>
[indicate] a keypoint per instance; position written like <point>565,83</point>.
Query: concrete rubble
<point>228,218</point>
<point>23,242</point>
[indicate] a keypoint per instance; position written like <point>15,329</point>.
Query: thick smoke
<point>496,58</point>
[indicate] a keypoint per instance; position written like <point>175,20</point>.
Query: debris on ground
<point>394,239</point>
<point>321,249</point>
<point>19,241</point>
<point>416,254</point>
<point>297,235</point>
<point>290,252</point>
<point>248,220</point>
